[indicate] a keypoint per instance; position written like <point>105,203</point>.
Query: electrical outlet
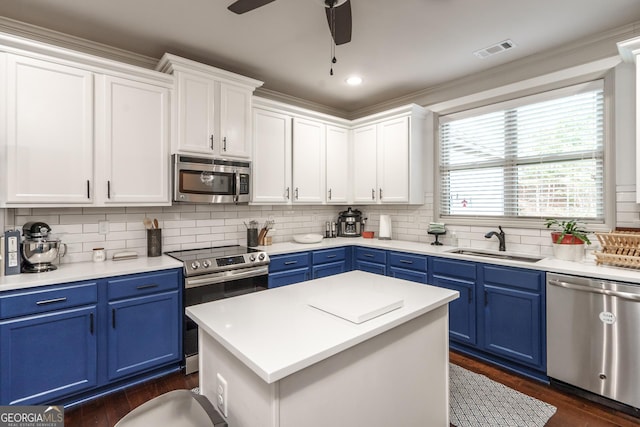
<point>222,396</point>
<point>103,227</point>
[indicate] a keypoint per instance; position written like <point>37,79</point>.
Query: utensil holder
<point>154,242</point>
<point>252,237</point>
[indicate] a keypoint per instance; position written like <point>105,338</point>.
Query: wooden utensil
<point>147,223</point>
<point>155,223</point>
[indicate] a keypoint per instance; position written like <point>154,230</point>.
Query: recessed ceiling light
<point>354,80</point>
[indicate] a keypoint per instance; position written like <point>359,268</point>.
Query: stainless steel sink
<point>498,255</point>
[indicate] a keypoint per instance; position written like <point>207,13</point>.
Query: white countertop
<point>587,267</point>
<point>67,273</point>
<point>276,333</point>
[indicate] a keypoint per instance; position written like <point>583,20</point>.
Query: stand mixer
<point>38,251</point>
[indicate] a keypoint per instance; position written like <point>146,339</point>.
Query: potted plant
<point>568,238</point>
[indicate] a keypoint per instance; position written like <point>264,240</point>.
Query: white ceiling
<point>398,46</point>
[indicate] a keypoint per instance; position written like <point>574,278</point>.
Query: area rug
<point>477,401</point>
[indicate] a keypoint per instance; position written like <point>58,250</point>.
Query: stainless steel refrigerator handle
<point>609,292</point>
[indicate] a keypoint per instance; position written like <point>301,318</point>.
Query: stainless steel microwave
<point>207,180</point>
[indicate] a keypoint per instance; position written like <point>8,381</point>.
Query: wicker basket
<point>621,249</point>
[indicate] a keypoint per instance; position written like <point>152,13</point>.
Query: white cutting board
<point>356,305</point>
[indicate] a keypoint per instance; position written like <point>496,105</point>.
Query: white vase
<point>568,252</point>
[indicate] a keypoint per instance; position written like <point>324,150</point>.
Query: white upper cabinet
<point>213,111</point>
<point>132,142</point>
<point>630,52</point>
<point>393,161</point>
<point>271,173</point>
<point>48,149</point>
<point>194,110</point>
<point>308,161</point>
<point>298,158</point>
<point>78,134</point>
<point>388,157</point>
<point>337,165</point>
<point>235,121</point>
<point>365,155</point>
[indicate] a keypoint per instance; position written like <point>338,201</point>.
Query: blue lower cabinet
<point>412,275</point>
<point>143,333</point>
<point>370,260</point>
<point>370,267</point>
<point>328,269</point>
<point>462,311</point>
<point>513,324</point>
<point>288,269</point>
<point>289,277</point>
<point>407,266</point>
<point>48,356</point>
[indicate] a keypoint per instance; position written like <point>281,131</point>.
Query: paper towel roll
<point>385,227</point>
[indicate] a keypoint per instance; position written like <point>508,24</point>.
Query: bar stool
<point>178,408</point>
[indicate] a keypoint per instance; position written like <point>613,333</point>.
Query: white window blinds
<point>535,157</point>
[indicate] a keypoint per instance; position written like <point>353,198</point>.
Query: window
<point>530,158</point>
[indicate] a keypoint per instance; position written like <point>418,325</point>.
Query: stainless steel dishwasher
<point>593,336</point>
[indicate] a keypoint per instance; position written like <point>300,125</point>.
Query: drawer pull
<point>406,261</point>
<point>331,256</point>
<point>290,262</point>
<point>51,301</point>
<point>149,286</point>
<point>368,255</point>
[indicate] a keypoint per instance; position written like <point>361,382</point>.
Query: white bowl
<point>308,238</point>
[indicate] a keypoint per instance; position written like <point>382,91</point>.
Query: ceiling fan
<point>338,15</point>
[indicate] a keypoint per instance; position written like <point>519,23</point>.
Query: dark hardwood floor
<point>572,411</point>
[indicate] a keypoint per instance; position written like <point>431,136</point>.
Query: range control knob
<point>261,256</point>
<point>195,265</point>
<point>206,263</point>
<point>252,257</point>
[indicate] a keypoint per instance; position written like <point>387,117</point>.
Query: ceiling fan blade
<point>342,20</point>
<point>243,6</point>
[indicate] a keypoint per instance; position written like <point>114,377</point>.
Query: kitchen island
<point>288,363</point>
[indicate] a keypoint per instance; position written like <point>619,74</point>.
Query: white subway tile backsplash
<point>188,226</point>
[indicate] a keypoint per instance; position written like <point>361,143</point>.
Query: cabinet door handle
<point>486,298</point>
<point>381,194</point>
<point>224,144</point>
<point>406,261</point>
<point>296,193</point>
<point>211,141</point>
<point>288,195</point>
<point>290,262</point>
<point>51,301</point>
<point>88,189</point>
<point>109,189</point>
<point>91,323</point>
<point>149,286</point>
<point>373,194</point>
<point>329,194</point>
<point>113,318</point>
<point>470,297</point>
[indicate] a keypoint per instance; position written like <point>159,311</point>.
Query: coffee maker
<point>350,223</point>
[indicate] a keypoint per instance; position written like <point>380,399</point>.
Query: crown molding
<point>299,102</point>
<point>47,36</point>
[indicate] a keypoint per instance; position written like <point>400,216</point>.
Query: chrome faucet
<point>500,237</point>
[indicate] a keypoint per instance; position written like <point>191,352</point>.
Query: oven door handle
<point>225,276</point>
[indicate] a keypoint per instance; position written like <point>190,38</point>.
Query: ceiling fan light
<point>354,80</point>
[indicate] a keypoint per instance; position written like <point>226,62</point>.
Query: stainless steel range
<point>215,273</point>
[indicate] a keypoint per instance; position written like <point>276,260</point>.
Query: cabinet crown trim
<point>170,63</point>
